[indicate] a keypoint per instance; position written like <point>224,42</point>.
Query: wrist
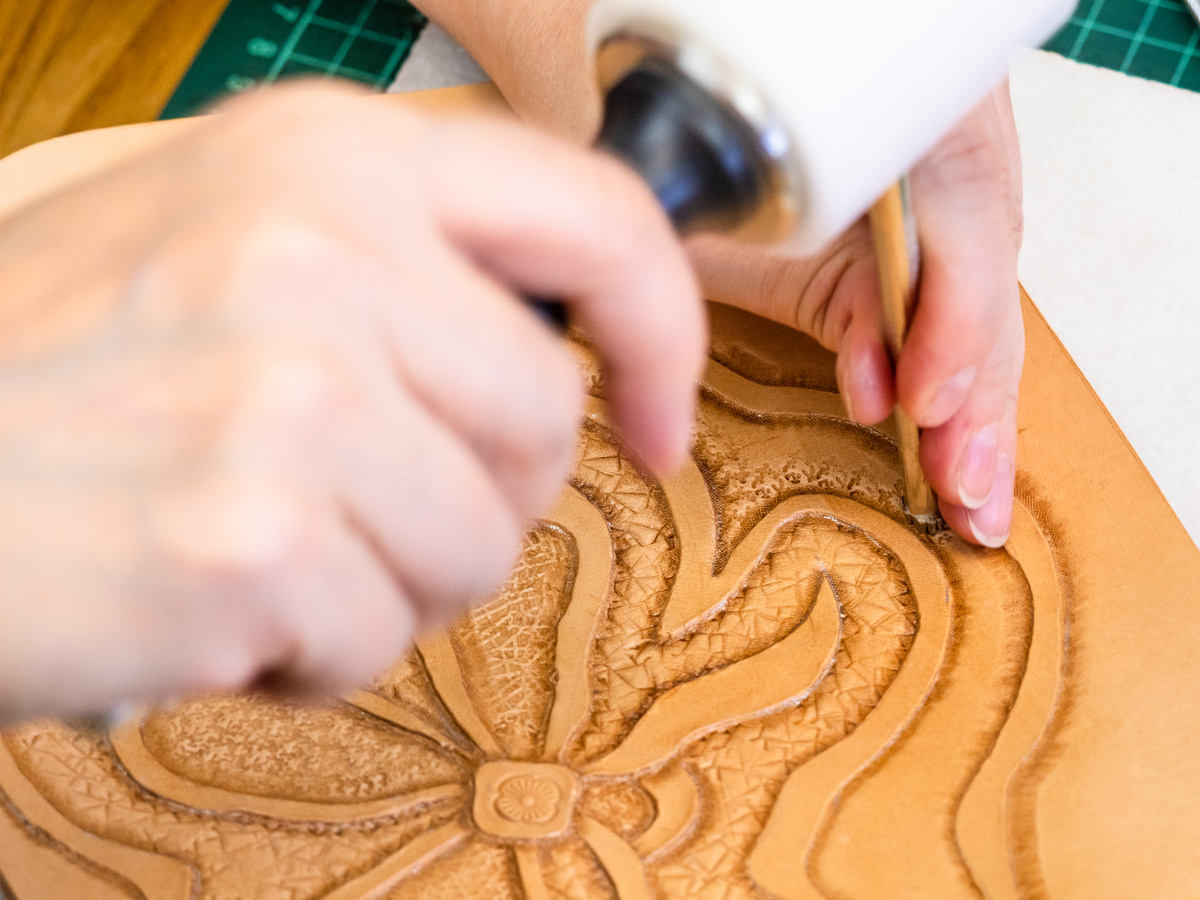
<point>536,53</point>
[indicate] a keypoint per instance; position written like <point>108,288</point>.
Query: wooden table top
<point>73,65</point>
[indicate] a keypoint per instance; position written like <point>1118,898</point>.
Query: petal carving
<point>782,674</point>
<point>729,665</point>
<point>130,748</point>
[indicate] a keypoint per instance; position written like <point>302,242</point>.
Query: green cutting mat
<point>1155,39</point>
<point>258,42</point>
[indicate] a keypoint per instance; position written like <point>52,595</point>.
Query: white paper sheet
<point>436,61</point>
<point>1112,249</point>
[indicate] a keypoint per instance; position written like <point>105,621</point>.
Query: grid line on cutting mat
<point>1155,39</point>
<point>259,41</point>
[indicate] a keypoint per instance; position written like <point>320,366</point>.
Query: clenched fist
<point>270,401</point>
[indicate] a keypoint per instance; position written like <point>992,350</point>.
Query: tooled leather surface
<point>726,777</point>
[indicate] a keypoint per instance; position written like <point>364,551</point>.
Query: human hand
<point>960,370</point>
<point>269,403</point>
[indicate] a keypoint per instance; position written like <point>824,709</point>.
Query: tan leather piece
<point>955,723</point>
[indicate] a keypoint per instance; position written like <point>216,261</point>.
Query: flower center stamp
<point>525,801</point>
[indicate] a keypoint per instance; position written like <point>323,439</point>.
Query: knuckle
<point>244,536</point>
<point>1012,355</point>
<point>537,436</point>
<point>544,453</point>
<point>825,305</point>
<point>561,407</point>
<point>291,275</point>
<point>388,632</point>
<point>1017,217</point>
<point>279,256</point>
<point>792,292</point>
<point>966,157</point>
<point>969,172</point>
<point>228,667</point>
<point>495,539</point>
<point>491,573</point>
<point>627,200</point>
<point>494,542</point>
<point>357,644</point>
<point>554,456</point>
<point>287,390</point>
<point>305,104</point>
<point>282,135</point>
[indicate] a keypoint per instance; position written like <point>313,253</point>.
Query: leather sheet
<point>750,681</point>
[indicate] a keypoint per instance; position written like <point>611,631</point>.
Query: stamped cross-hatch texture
<point>750,681</point>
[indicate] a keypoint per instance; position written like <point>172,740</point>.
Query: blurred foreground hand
<point>270,403</point>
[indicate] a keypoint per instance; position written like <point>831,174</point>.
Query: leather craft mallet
<point>786,120</point>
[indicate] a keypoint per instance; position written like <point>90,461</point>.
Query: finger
<point>253,579</point>
<point>833,296</point>
<point>958,454</point>
<point>337,422</point>
<point>486,367</point>
<point>473,355</point>
<point>311,613</point>
<point>414,493</point>
<point>1001,100</point>
<point>864,367</point>
<point>808,293</point>
<point>549,219</point>
<point>761,280</point>
<point>355,620</point>
<point>990,525</point>
<point>970,459</point>
<point>555,222</point>
<point>963,199</point>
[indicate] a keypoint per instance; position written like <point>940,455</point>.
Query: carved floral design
<point>627,719</point>
<point>516,802</point>
<point>528,799</point>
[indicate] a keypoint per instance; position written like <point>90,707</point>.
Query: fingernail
<point>992,522</point>
<point>978,469</point>
<point>842,389</point>
<point>849,408</point>
<point>672,454</point>
<point>946,401</point>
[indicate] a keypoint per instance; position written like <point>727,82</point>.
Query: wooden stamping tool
<point>893,229</point>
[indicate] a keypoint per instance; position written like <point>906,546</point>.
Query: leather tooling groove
<point>709,687</point>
